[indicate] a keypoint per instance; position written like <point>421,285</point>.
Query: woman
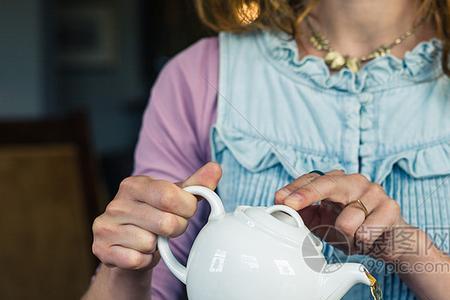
<point>355,86</point>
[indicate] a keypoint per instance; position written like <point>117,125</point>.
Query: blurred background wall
<point>63,58</point>
<point>22,51</point>
<point>94,56</point>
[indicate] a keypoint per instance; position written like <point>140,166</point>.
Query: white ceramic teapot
<point>258,253</point>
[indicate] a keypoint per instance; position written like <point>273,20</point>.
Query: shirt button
<point>367,137</point>
<point>366,150</point>
<point>352,112</point>
<point>366,98</point>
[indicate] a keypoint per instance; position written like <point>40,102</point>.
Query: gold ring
<point>360,205</point>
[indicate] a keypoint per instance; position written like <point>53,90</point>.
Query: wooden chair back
<point>47,203</point>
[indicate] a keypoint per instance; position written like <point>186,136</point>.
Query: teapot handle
<point>217,210</point>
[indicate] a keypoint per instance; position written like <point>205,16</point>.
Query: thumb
<point>208,176</point>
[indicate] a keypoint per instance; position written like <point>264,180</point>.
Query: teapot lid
<point>281,221</point>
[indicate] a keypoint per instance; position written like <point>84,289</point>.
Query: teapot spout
<point>336,284</point>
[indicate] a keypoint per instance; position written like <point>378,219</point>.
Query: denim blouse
<point>279,117</point>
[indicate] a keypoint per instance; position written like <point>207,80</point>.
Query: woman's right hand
<point>125,235</point>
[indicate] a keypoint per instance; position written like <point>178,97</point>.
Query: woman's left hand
<point>360,223</point>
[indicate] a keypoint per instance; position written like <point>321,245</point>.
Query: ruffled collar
<point>420,64</point>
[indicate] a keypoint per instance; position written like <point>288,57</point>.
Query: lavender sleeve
<point>174,140</point>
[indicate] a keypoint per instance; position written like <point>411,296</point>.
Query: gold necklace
<point>337,61</point>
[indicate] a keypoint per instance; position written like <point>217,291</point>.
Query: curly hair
<point>285,15</point>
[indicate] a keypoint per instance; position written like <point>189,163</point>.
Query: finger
<point>372,198</point>
<point>348,222</point>
<point>133,237</point>
<point>338,189</point>
<point>287,190</point>
<point>160,194</point>
<point>126,258</point>
<point>353,216</point>
<point>174,200</point>
<point>208,176</point>
<point>147,218</point>
<point>335,172</point>
<point>305,179</point>
<point>378,222</point>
